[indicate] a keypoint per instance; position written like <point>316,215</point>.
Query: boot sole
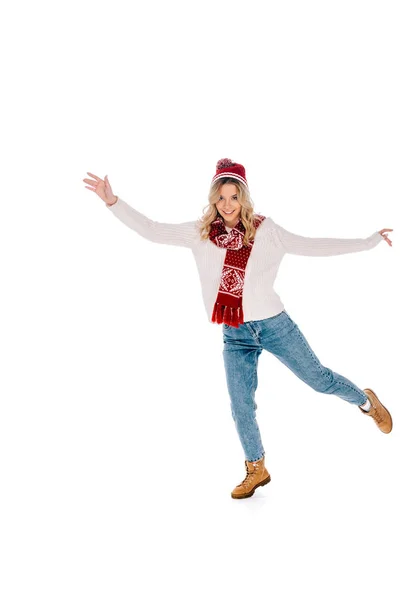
<point>238,496</point>
<point>379,402</point>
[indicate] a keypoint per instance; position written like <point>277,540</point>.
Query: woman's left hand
<point>386,237</point>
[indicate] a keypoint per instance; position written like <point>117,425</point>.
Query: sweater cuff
<point>112,205</point>
<point>374,239</point>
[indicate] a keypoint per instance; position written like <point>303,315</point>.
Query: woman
<point>238,254</point>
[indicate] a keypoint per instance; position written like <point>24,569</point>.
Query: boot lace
<point>376,414</point>
<point>378,417</point>
<point>249,477</point>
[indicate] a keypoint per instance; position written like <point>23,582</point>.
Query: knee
<point>325,381</point>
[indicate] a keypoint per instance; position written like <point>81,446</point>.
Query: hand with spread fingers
<point>102,188</point>
<point>386,237</point>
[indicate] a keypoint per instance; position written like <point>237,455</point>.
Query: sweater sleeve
<point>307,246</point>
<point>180,234</point>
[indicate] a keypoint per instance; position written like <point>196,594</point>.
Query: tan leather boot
<point>257,475</point>
<point>378,412</point>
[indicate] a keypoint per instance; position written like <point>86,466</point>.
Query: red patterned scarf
<point>228,306</point>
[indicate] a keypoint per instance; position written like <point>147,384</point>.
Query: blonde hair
<point>247,215</point>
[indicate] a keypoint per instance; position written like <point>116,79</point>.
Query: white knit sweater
<point>270,244</point>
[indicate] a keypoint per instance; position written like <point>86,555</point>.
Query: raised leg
<point>290,346</point>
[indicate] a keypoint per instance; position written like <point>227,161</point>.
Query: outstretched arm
<point>307,246</point>
<point>179,234</point>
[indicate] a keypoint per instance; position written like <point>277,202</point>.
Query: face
<point>228,204</point>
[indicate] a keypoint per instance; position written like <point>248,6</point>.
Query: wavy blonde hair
<point>247,214</point>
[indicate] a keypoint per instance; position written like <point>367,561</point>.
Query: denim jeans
<point>282,337</point>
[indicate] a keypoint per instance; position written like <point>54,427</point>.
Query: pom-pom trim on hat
<point>224,163</point>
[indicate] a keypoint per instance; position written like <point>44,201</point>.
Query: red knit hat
<point>227,168</point>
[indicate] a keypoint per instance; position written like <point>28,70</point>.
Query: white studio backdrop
<point>118,451</point>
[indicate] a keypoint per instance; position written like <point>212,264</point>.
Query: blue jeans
<point>282,337</point>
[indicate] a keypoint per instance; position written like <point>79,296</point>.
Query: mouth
<point>228,213</point>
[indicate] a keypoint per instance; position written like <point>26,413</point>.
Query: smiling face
<point>228,204</point>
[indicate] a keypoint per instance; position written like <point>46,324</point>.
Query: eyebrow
<point>231,196</point>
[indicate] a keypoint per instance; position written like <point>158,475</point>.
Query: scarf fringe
<point>227,314</point>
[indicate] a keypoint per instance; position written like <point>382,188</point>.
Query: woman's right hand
<point>101,187</point>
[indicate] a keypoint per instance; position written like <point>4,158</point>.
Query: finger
<point>91,189</point>
<point>94,176</point>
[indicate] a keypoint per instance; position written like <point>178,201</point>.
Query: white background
<point>118,451</point>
